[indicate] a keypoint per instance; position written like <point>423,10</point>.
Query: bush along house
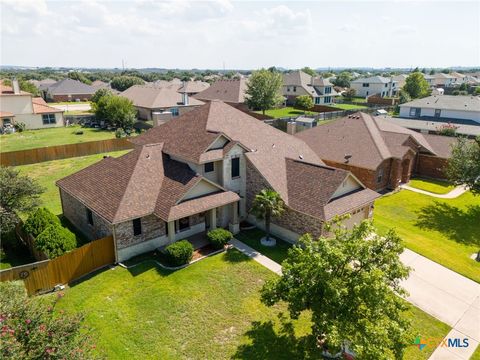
<point>202,171</point>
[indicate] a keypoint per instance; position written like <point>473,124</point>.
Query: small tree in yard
<point>19,193</point>
<point>464,165</point>
<point>266,205</point>
<point>55,240</point>
<point>39,220</point>
<point>100,93</point>
<point>416,86</point>
<point>350,94</point>
<point>31,328</point>
<point>117,111</point>
<point>304,102</point>
<point>263,90</point>
<point>350,283</point>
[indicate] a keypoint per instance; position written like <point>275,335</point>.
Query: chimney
<point>160,118</point>
<point>184,94</point>
<point>291,127</point>
<point>15,86</point>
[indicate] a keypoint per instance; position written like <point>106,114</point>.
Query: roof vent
<point>273,145</point>
<point>300,157</point>
<point>347,157</point>
<point>148,156</point>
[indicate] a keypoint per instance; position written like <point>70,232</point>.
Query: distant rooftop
<point>447,102</point>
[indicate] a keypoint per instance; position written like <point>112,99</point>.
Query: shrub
<point>32,329</point>
<point>20,126</point>
<point>219,237</point>
<point>39,220</point>
<point>179,253</point>
<point>120,133</point>
<point>55,240</point>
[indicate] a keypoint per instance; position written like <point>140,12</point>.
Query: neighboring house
<point>443,108</point>
<point>375,85</point>
<point>99,84</point>
<point>17,106</point>
<point>42,84</point>
<point>459,78</point>
<point>229,91</point>
<point>203,171</point>
<point>68,90</point>
<point>379,153</point>
<point>432,127</point>
<point>440,80</point>
<point>160,103</point>
<point>298,83</point>
<point>192,88</point>
<point>400,80</point>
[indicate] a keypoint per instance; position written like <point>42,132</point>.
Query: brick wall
<point>291,220</point>
<point>152,227</point>
<point>76,213</point>
<point>431,166</point>
<point>381,101</point>
<point>82,97</point>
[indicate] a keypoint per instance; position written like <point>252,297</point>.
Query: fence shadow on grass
<point>268,341</point>
<point>455,223</point>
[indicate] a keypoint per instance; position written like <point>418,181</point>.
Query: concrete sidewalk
<point>459,190</point>
<point>258,257</point>
<point>449,297</point>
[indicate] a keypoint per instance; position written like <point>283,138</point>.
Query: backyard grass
<point>286,112</point>
<point>31,139</point>
<point>348,106</point>
<point>432,185</point>
<point>50,171</point>
<point>209,310</point>
<point>443,230</point>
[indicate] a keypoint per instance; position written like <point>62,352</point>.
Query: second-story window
<point>209,167</point>
<point>235,167</point>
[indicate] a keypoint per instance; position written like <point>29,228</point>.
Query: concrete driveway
<point>449,297</point>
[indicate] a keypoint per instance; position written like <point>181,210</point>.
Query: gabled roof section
<point>70,86</point>
<point>447,102</point>
<point>41,107</point>
<point>230,91</point>
<point>365,140</point>
<point>152,97</point>
<point>374,80</point>
<point>193,87</point>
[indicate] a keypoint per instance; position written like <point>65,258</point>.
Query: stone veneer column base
<point>234,228</point>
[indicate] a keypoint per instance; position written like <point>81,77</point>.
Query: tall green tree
<point>75,75</point>
<point>309,71</point>
<point>122,83</point>
<point>304,102</point>
<point>343,79</point>
<point>267,205</point>
<point>350,94</point>
<point>416,86</point>
<point>263,90</point>
<point>350,284</point>
<point>403,96</point>
<point>117,111</point>
<point>100,93</point>
<point>464,165</point>
<point>19,193</point>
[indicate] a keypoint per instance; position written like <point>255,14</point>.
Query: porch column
<point>171,231</point>
<point>233,226</point>
<point>213,218</point>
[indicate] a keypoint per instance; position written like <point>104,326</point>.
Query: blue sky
<point>240,34</point>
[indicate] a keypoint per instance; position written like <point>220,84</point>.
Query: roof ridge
<point>386,152</point>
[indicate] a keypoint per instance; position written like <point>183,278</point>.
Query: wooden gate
<point>43,275</point>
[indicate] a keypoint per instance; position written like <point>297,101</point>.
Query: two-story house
<point>17,106</point>
<point>375,85</point>
<point>298,83</point>
<point>201,171</point>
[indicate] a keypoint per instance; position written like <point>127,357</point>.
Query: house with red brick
<point>382,155</point>
<point>68,90</point>
<point>202,170</point>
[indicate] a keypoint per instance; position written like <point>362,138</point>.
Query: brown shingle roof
<point>41,107</point>
<point>152,97</point>
<point>193,87</point>
<point>442,145</point>
<point>368,140</point>
<point>343,204</point>
<point>231,91</point>
<point>144,181</point>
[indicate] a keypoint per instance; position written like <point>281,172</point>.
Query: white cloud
<point>26,7</point>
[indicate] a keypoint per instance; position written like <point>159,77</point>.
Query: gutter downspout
<point>115,244</point>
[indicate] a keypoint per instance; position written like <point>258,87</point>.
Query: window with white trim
<point>48,119</point>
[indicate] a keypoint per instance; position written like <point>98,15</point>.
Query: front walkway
<point>459,190</point>
<point>438,291</point>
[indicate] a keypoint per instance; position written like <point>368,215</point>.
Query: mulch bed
<point>203,251</point>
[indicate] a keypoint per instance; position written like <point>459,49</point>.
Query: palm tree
<point>267,204</point>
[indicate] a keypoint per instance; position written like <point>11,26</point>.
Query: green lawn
<point>31,139</point>
<point>432,185</point>
<point>348,106</point>
<point>443,230</point>
<point>476,354</point>
<point>286,112</point>
<point>69,103</point>
<point>50,171</point>
<point>209,310</point>
<point>252,238</point>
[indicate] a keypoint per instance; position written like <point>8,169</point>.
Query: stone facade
<point>152,227</point>
<point>290,220</point>
<point>76,213</point>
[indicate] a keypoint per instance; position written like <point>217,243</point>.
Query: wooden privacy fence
<point>32,156</point>
<point>42,276</point>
